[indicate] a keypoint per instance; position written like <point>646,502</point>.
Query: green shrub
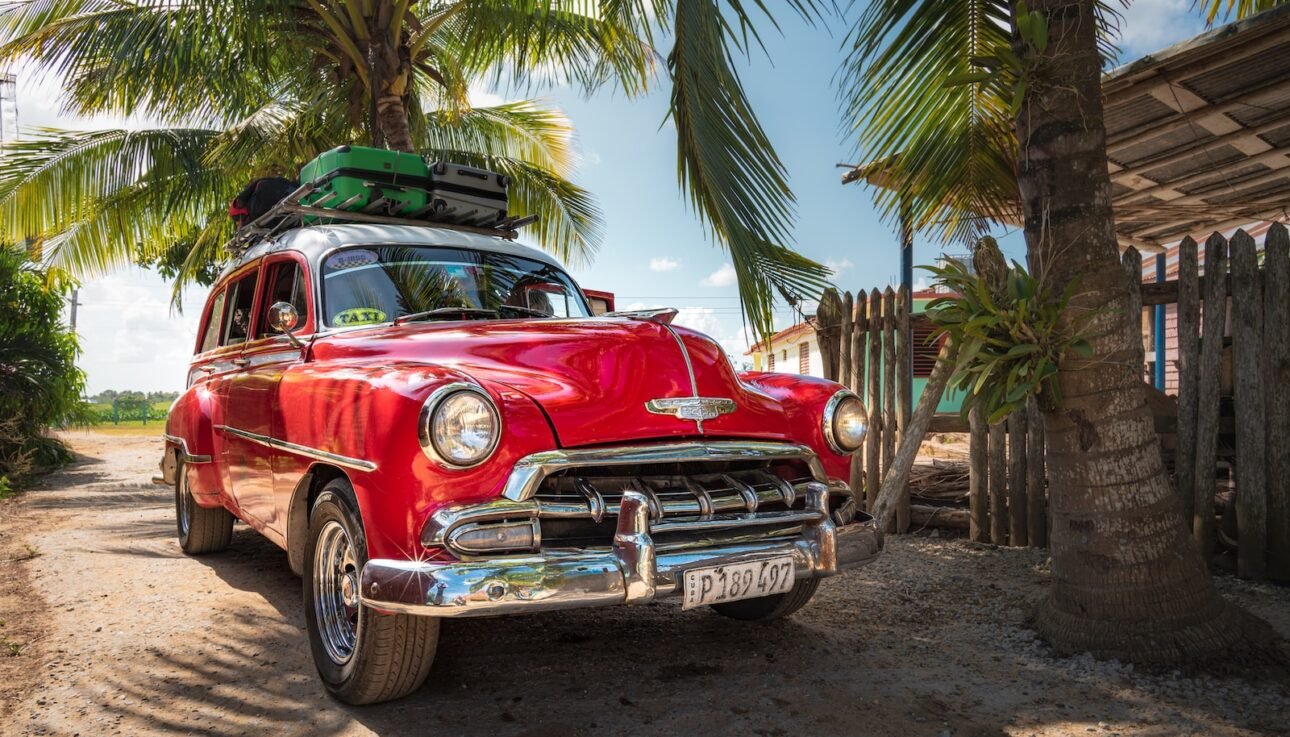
<point>40,384</point>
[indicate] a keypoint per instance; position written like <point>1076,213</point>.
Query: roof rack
<point>290,213</point>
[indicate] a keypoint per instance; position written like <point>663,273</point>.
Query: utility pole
<point>75,302</point>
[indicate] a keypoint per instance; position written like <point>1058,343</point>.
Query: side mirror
<point>283,318</point>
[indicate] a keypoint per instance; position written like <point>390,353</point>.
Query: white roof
<point>315,240</point>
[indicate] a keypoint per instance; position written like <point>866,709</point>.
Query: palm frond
<point>55,179</point>
<point>1233,9</point>
<point>525,130</point>
<point>944,139</point>
<point>727,167</point>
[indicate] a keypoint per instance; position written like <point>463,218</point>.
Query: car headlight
<point>845,422</point>
<point>459,425</point>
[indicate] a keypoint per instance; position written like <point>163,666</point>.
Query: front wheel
<point>362,657</point>
<point>766,608</point>
<point>201,529</point>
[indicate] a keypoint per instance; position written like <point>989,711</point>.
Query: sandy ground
<point>115,632</point>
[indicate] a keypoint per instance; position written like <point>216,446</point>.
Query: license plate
<point>704,586</point>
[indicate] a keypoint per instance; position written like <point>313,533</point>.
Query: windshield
<point>372,285</point>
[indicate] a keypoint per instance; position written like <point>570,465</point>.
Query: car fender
<point>803,399</point>
<point>190,438</point>
<point>368,416</point>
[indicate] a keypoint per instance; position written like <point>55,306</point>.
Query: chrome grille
<point>581,496</point>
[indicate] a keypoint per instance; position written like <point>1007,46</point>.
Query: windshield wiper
<point>525,310</point>
<point>445,312</point>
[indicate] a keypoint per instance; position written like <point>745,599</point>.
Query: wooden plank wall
<point>1250,296</point>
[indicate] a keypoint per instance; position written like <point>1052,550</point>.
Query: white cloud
<point>481,96</point>
<point>1151,25</point>
<point>722,277</point>
<point>838,266</point>
<point>664,264</point>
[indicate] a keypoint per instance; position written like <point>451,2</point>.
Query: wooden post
<point>1132,261</point>
<point>895,482</point>
<point>904,376</point>
<point>829,333</point>
<point>1036,493</point>
<point>855,380</point>
<point>998,484</point>
<point>1018,516</point>
<point>1247,390</point>
<point>844,340</point>
<point>978,477</point>
<point>859,333</point>
<point>1188,378</point>
<point>1211,355</point>
<point>889,428</point>
<point>1276,378</point>
<point>873,442</point>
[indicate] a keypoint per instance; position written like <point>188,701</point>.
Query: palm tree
<point>989,103</point>
<point>253,86</point>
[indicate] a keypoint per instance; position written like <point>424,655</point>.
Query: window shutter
<point>804,358</point>
<point>770,361</point>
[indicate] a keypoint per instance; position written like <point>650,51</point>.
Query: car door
<point>253,392</point>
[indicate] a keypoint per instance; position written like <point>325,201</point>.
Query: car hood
<point>591,377</point>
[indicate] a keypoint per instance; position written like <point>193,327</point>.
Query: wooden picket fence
<point>864,346</point>
<point>1253,438</point>
<point>1008,486</point>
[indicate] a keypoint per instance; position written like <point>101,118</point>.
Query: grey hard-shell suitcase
<point>466,195</point>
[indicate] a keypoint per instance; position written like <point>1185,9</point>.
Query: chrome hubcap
<point>336,592</point>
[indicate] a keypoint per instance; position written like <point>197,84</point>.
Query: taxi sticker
<point>358,316</point>
<point>350,259</point>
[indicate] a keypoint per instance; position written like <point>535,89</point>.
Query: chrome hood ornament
<point>696,409</point>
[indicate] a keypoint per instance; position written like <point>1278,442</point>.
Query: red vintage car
<point>432,423</point>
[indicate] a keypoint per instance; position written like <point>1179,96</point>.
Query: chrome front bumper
<point>633,571</point>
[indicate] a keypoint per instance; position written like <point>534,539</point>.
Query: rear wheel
<point>766,608</point>
<point>201,529</point>
<point>362,657</point>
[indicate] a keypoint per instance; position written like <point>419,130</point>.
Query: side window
<point>237,318</point>
<point>210,336</point>
<point>286,284</point>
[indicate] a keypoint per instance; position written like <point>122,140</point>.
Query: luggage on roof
<point>370,180</point>
<point>257,198</point>
<point>467,195</point>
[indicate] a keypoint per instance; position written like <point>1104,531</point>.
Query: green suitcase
<point>374,180</point>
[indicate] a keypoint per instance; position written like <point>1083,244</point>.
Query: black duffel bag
<point>258,197</point>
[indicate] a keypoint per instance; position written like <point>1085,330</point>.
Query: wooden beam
<point>1207,412</point>
<point>1200,148</point>
<point>1276,160</point>
<point>1247,362</point>
<point>1018,516</point>
<point>1276,377</point>
<point>979,478</point>
<point>1188,323</point>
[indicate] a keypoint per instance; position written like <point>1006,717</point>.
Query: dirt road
<point>108,629</point>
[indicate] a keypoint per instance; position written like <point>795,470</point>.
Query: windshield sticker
<point>351,259</point>
<point>358,316</point>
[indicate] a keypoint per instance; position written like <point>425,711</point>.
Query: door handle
<point>241,362</point>
<point>208,368</point>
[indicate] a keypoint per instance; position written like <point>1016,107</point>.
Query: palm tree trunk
<point>1127,581</point>
<point>391,75</point>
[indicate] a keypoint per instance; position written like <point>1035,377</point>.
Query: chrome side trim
<point>530,471</point>
<point>184,455</point>
<point>357,464</point>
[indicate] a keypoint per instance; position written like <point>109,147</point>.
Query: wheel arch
<point>303,496</point>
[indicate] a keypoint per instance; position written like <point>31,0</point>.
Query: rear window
<point>237,318</point>
<point>210,335</point>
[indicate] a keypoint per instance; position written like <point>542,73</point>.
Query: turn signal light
<point>495,537</point>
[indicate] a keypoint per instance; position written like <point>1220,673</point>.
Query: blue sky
<point>655,251</point>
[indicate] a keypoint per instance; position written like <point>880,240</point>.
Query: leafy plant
<point>40,385</point>
<point>1011,336</point>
